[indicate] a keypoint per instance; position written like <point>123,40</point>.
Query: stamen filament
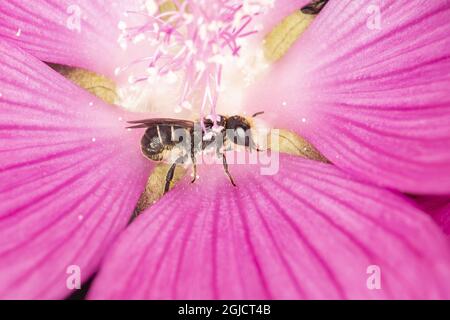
<point>193,40</point>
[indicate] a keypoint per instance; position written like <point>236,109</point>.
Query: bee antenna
<point>257,114</point>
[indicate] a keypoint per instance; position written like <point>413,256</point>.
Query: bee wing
<point>146,123</point>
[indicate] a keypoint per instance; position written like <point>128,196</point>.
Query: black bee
<point>177,141</point>
<point>314,7</point>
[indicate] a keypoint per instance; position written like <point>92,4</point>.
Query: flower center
<point>198,57</point>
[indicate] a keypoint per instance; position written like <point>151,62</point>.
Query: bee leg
<point>225,167</point>
<point>194,163</point>
<point>169,177</point>
<point>314,7</point>
<point>195,173</point>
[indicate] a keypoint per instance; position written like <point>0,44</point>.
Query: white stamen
<point>122,25</point>
<point>139,38</point>
<point>186,105</point>
<point>171,78</point>
<point>151,6</point>
<point>152,72</point>
<point>200,66</point>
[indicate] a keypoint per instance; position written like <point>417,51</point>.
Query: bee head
<point>238,130</point>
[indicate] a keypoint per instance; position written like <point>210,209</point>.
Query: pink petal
<point>376,102</point>
<point>439,208</point>
<point>48,29</point>
<point>70,176</point>
<point>309,232</point>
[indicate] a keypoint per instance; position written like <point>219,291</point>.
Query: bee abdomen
<point>158,140</point>
<point>152,155</point>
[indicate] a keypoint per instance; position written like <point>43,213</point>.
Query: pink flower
<point>373,99</point>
